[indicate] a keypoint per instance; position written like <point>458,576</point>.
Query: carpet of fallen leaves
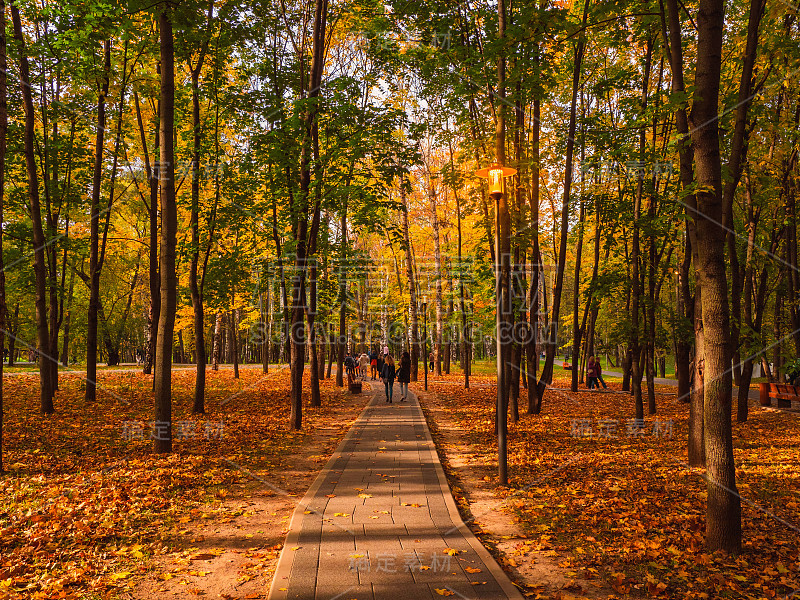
<point>616,502</point>
<point>85,505</point>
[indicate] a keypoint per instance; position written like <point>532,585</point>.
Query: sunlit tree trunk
<point>723,511</point>
<point>169,229</point>
<point>437,257</point>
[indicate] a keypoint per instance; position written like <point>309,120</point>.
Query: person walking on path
<point>379,364</point>
<point>598,371</point>
<point>388,374</point>
<point>591,374</point>
<point>404,375</point>
<point>350,366</point>
<point>430,360</point>
<point>363,363</point>
<point>373,361</point>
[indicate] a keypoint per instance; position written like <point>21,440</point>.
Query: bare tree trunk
<point>199,405</point>
<point>68,317</point>
<point>94,244</point>
<point>233,333</point>
<point>723,511</point>
<point>316,398</point>
<point>552,329</point>
<point>577,331</point>
<point>3,135</point>
<point>448,317</point>
<point>341,341</point>
<point>736,160</point>
<point>412,289</point>
<point>169,229</point>
<point>152,207</point>
<point>437,256</point>
<point>534,403</point>
<point>217,349</point>
<point>636,364</point>
<point>39,267</point>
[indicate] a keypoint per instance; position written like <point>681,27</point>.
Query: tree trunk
<point>233,337</point>
<point>199,406</point>
<point>437,256</point>
<point>412,289</point>
<point>316,398</point>
<point>68,317</point>
<point>736,160</point>
<point>723,512</point>
<point>169,228</point>
<point>546,378</point>
<point>636,363</point>
<point>341,340</point>
<point>3,134</point>
<point>47,388</point>
<point>152,206</point>
<point>266,329</point>
<point>217,349</point>
<point>576,329</point>
<point>534,403</point>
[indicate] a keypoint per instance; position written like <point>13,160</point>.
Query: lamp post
<point>495,174</point>
<point>425,338</point>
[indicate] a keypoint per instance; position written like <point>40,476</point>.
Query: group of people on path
<point>594,374</point>
<point>382,366</point>
<point>390,371</point>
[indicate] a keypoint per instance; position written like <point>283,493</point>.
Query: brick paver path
<point>379,521</point>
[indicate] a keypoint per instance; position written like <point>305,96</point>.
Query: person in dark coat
<point>388,374</point>
<point>373,361</point>
<point>404,375</point>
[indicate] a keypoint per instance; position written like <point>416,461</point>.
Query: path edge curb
<point>284,568</point>
<point>500,576</point>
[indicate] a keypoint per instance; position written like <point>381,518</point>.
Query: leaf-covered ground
<point>86,508</point>
<point>616,504</point>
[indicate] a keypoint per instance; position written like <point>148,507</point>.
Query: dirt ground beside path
<point>229,548</point>
<point>473,483</point>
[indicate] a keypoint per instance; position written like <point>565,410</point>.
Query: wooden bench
<point>782,392</point>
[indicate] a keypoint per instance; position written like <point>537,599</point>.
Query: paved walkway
<point>379,521</point>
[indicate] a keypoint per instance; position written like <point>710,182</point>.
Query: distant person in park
<point>431,361</point>
<point>404,375</point>
<point>598,370</point>
<point>373,361</point>
<point>379,363</point>
<point>388,374</point>
<point>350,365</point>
<point>385,351</point>
<point>363,363</point>
<point>591,374</point>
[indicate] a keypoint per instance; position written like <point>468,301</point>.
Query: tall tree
<point>39,243</point>
<point>162,441</point>
<point>3,134</point>
<point>723,511</point>
<point>94,243</point>
<point>196,291</point>
<point>552,329</point>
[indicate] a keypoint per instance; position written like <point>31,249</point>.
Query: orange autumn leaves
<point>615,501</point>
<point>85,507</point>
